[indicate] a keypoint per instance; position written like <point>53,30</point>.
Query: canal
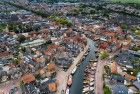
<point>77,84</point>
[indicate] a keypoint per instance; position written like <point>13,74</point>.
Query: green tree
<point>106,90</point>
<point>21,84</point>
<point>21,38</point>
<point>92,11</point>
<point>2,26</point>
<point>48,42</point>
<point>16,61</point>
<point>124,26</point>
<point>104,54</point>
<point>107,69</point>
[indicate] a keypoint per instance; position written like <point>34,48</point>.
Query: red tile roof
<point>28,78</point>
<point>51,67</point>
<point>5,54</point>
<point>110,34</point>
<point>51,49</point>
<point>52,87</point>
<point>114,67</point>
<point>130,77</point>
<point>103,45</point>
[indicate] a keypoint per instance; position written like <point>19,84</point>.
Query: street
<point>99,77</point>
<point>99,74</point>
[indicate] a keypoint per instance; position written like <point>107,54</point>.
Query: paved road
<point>99,77</point>
<point>99,74</point>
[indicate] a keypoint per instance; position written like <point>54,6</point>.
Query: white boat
<point>67,91</point>
<point>95,60</point>
<point>42,81</point>
<point>92,79</point>
<point>91,60</point>
<point>91,83</point>
<point>78,64</point>
<point>92,88</point>
<point>95,64</point>
<point>86,89</point>
<point>73,71</point>
<point>86,54</point>
<point>69,82</point>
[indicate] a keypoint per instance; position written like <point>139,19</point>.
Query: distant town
<point>69,47</point>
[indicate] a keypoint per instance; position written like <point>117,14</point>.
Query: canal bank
<point>62,76</point>
<point>77,84</point>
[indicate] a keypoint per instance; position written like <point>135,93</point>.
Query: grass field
<point>126,1</point>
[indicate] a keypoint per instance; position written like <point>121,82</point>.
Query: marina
<point>78,77</point>
<point>89,79</point>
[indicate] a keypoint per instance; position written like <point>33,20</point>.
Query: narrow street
<point>99,74</point>
<point>99,77</point>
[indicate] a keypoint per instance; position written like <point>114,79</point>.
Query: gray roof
<point>137,84</point>
<point>119,89</point>
<point>3,73</point>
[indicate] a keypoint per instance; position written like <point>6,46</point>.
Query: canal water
<point>77,84</point>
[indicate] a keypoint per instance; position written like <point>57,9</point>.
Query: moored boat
<point>86,54</point>
<point>69,82</point>
<point>83,58</point>
<point>95,60</point>
<point>91,60</point>
<point>86,89</point>
<point>67,91</point>
<point>89,78</point>
<point>78,64</point>
<point>74,70</point>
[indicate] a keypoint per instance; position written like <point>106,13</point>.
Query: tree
<point>62,21</point>
<point>16,61</point>
<point>135,48</point>
<point>107,69</point>
<point>104,54</point>
<point>92,11</point>
<point>21,84</point>
<point>48,42</point>
<point>124,26</point>
<point>51,1</point>
<point>106,90</point>
<point>82,5</point>
<point>21,38</point>
<point>23,49</point>
<point>2,26</point>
